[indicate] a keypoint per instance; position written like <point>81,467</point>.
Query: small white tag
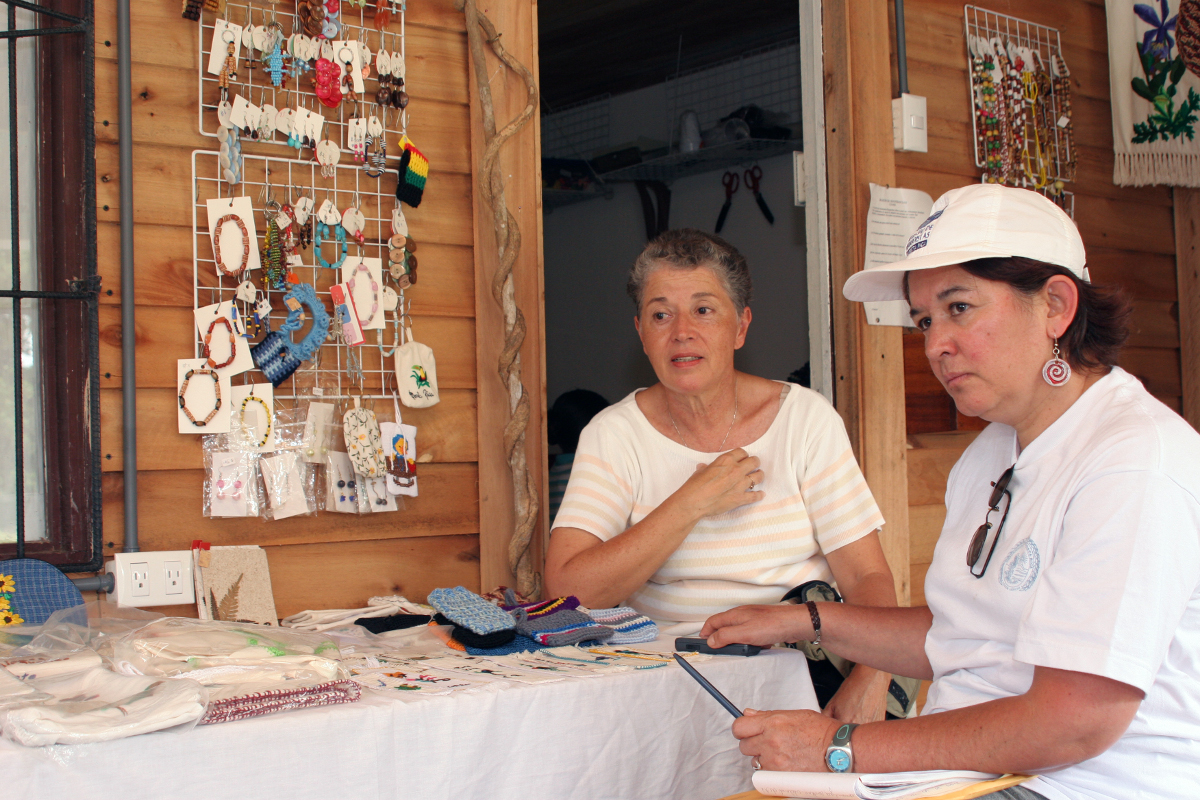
<point>318,391</point>
<point>246,292</point>
<point>295,261</point>
<point>390,299</point>
<point>260,37</point>
<point>263,308</point>
<point>1064,121</point>
<point>282,220</point>
<point>303,209</point>
<point>327,211</point>
<point>252,115</point>
<point>237,116</point>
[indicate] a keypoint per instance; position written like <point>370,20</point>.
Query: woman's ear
<point>1062,301</point>
<point>743,326</point>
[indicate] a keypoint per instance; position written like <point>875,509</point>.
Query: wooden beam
<point>868,360</point>
<point>520,163</point>
<point>1187,261</point>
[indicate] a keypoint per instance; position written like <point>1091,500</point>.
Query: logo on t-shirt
<point>1020,567</point>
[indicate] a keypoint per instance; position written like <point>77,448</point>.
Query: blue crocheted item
<point>519,644</point>
<point>467,609</point>
<point>35,590</point>
<point>310,344</point>
<point>274,359</point>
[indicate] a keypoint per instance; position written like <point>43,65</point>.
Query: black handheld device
<point>686,644</point>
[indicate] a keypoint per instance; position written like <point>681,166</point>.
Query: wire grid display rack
<point>262,177</point>
<point>768,77</point>
<point>256,86</point>
<point>1046,44</point>
<point>578,130</point>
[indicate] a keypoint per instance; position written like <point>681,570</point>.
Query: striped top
<point>816,501</point>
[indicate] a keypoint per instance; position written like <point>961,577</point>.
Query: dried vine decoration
<point>508,243</point>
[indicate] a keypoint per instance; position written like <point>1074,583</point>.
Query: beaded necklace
<point>266,409</point>
<point>362,267</point>
<point>272,257</point>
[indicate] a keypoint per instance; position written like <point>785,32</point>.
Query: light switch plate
<point>153,578</point>
<point>910,124</point>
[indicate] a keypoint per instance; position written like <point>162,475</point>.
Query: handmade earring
<point>1056,372</point>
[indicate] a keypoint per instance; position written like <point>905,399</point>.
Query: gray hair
<point>688,248</point>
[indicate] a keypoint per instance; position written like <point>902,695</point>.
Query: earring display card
<point>318,428</point>
<point>367,292</point>
<point>341,485</point>
<point>251,421</point>
<point>219,49</point>
<point>231,483</point>
<point>378,496</point>
<point>235,586</point>
<point>232,238</point>
<point>347,313</point>
<point>285,485</point>
<point>201,398</point>
<point>219,343</point>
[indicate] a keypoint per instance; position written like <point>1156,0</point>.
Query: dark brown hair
<point>1101,324</point>
<point>688,248</point>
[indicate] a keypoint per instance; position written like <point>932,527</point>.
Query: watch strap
<point>839,756</point>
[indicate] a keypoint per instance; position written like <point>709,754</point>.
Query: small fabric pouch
<point>400,452</point>
<point>274,359</point>
<point>364,443</point>
<point>468,610</point>
<point>416,373</point>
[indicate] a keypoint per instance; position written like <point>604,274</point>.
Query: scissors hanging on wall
<point>753,181</point>
<point>731,181</point>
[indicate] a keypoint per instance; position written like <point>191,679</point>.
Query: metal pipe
<point>128,322</point>
<point>104,582</point>
<point>901,48</point>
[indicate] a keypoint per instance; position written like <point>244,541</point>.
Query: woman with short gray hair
<point>715,488</point>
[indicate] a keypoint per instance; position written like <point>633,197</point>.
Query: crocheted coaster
<point>561,626</point>
<point>468,610</point>
<point>629,627</point>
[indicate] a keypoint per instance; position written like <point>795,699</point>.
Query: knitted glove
<point>629,627</point>
<point>468,610</point>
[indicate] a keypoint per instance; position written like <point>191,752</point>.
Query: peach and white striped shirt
<point>816,501</point>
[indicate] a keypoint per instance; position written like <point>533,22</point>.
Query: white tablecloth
<point>645,734</point>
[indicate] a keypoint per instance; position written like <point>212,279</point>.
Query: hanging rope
<point>508,243</point>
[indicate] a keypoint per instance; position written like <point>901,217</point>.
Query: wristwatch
<point>838,756</point>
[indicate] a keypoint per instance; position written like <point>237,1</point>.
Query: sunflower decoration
<point>7,584</point>
<point>10,618</point>
<point>4,603</point>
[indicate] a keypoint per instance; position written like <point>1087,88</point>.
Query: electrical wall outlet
<point>153,578</point>
<point>910,124</point>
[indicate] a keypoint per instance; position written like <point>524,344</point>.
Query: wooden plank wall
<point>326,561</point>
<point>1128,232</point>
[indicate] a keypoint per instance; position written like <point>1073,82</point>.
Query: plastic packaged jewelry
<point>288,484</point>
<point>231,485</point>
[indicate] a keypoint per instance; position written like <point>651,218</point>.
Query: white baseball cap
<point>983,220</point>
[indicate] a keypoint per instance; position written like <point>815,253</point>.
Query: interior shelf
<point>557,198</point>
<point>708,159</point>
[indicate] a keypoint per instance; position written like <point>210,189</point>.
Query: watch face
<point>838,760</point>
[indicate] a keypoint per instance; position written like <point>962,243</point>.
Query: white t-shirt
<point>1097,570</point>
<point>816,501</point>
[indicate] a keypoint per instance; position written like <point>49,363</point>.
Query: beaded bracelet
<point>219,320</point>
<point>374,290</point>
<point>183,390</point>
<point>221,268</point>
<point>242,419</point>
<point>322,234</point>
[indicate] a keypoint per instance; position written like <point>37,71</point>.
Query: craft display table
<point>643,734</point>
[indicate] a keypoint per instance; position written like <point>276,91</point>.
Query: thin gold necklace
<point>733,422</point>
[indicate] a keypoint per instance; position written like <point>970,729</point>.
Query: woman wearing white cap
<point>1063,634</point>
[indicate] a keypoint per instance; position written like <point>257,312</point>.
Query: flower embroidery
<point>4,606</point>
<point>7,584</point>
<point>10,618</point>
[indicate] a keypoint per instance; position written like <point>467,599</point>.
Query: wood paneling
<point>869,360</point>
<point>1130,233</point>
<point>1187,239</point>
<point>328,560</point>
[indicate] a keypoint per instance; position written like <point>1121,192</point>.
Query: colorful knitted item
<point>468,638</point>
<point>558,622</point>
<point>629,627</point>
<point>468,610</point>
<point>414,172</point>
<point>519,644</point>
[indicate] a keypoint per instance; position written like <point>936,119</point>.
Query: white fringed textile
<point>1173,159</point>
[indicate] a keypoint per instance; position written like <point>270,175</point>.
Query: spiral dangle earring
<point>1056,372</point>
